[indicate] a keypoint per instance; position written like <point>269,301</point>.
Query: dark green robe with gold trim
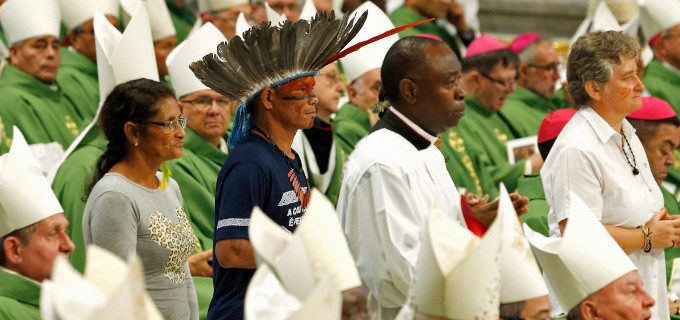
<point>464,167</point>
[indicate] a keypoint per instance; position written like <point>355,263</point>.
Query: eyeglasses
<point>170,126</point>
<point>553,67</point>
<point>504,84</point>
<point>335,78</point>
<point>206,102</point>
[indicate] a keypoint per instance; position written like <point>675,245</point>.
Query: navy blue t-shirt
<point>255,174</point>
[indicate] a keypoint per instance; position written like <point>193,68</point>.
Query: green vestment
<point>79,69</point>
<point>182,18</point>
<point>2,37</point>
<point>404,16</point>
<point>19,297</point>
<point>464,167</point>
<point>488,133</point>
<point>349,126</point>
<point>524,111</point>
<point>42,113</point>
<point>663,83</point>
<point>673,207</point>
<point>196,174</point>
<point>531,186</point>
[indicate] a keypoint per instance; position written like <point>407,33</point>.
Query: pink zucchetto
<point>653,109</point>
<point>553,123</point>
<point>484,44</point>
<point>430,36</point>
<point>523,41</point>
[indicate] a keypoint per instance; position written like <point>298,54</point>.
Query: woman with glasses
<point>132,208</point>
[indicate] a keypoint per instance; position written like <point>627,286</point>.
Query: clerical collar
<point>223,146</point>
<point>394,121</point>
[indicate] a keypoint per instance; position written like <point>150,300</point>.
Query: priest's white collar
<point>414,126</point>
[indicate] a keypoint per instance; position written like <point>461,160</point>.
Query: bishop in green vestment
<point>662,80</point>
<point>182,18</point>
<point>19,297</point>
<point>349,126</point>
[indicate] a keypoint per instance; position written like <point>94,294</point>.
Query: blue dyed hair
<point>243,119</point>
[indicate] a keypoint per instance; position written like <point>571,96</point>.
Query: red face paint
<point>624,93</point>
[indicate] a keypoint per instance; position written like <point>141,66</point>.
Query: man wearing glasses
<point>537,75</point>
<point>489,71</point>
<point>223,14</point>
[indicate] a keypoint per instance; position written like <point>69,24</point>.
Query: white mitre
<point>25,195</point>
<point>623,10</point>
<point>370,57</point>
<point>521,279</point>
<point>111,289</point>
<point>273,16</point>
<point>120,58</point>
<point>605,19</point>
<point>308,10</point>
<point>583,261</point>
<point>241,25</point>
<point>658,15</point>
<point>317,248</point>
<point>267,299</point>
<point>159,17</point>
<point>200,43</point>
<point>458,275</point>
<point>76,12</point>
<point>25,19</point>
<point>218,5</point>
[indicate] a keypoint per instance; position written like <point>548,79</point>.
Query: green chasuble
<point>80,70</point>
<point>19,297</point>
<point>196,173</point>
<point>560,100</point>
<point>673,207</point>
<point>2,37</point>
<point>404,16</point>
<point>488,133</point>
<point>663,83</point>
<point>531,186</point>
<point>349,126</point>
<point>182,18</point>
<point>464,167</point>
<point>672,181</point>
<point>524,111</point>
<point>43,114</point>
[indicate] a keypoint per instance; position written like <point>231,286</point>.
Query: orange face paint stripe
<point>624,92</point>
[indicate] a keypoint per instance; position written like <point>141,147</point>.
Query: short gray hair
<point>528,54</point>
<point>593,57</point>
<point>24,234</point>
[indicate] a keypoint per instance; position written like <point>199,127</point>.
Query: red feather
<point>371,40</point>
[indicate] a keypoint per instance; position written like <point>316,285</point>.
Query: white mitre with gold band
<point>267,299</point>
<point>120,58</point>
<point>658,15</point>
<point>197,45</point>
<point>583,261</point>
<point>25,195</point>
<point>76,12</point>
<point>308,10</point>
<point>273,16</point>
<point>370,57</point>
<point>218,5</point>
<point>110,289</point>
<point>25,19</point>
<point>457,275</point>
<point>521,279</point>
<point>159,17</point>
<point>317,248</point>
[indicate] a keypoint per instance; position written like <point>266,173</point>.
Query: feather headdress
<point>271,55</point>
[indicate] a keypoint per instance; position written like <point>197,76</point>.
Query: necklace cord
<point>634,164</point>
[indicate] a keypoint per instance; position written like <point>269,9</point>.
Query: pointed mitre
<point>317,248</point>
<point>659,15</point>
<point>25,195</point>
<point>241,25</point>
<point>521,279</point>
<point>605,19</point>
<point>158,15</point>
<point>25,19</point>
<point>202,42</point>
<point>267,299</point>
<point>370,57</point>
<point>218,5</point>
<point>308,10</point>
<point>71,296</point>
<point>76,12</point>
<point>458,275</point>
<point>274,17</point>
<point>623,10</point>
<point>583,261</point>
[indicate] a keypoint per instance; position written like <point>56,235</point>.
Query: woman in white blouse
<point>598,157</point>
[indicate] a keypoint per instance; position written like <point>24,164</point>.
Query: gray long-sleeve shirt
<point>123,217</point>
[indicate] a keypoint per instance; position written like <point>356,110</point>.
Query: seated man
<point>32,233</point>
<point>537,75</point>
<point>588,272</point>
<point>205,151</point>
<point>223,14</point>
<point>79,59</point>
<point>531,186</point>
<point>489,71</point>
<point>33,97</point>
<point>417,10</point>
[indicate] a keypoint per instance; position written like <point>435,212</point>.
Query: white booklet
<point>522,148</point>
